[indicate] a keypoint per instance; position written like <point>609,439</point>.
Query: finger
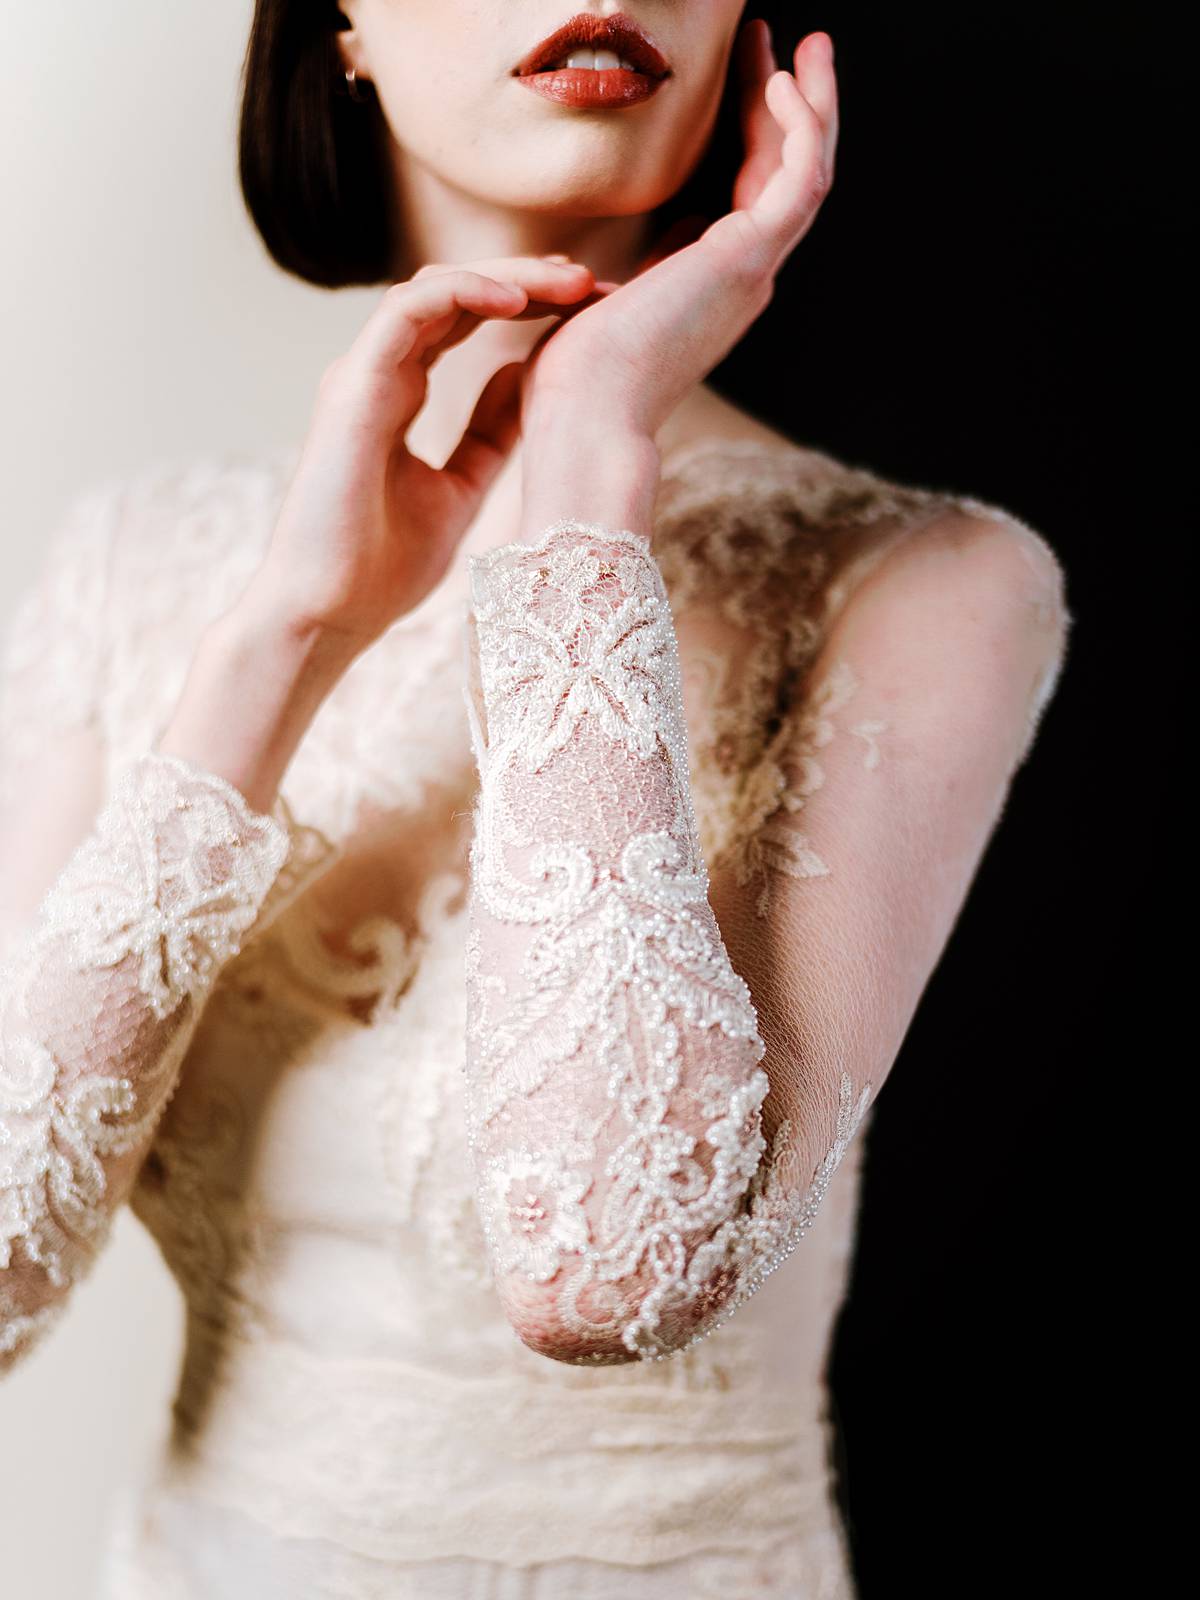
<point>535,311</point>
<point>390,334</point>
<point>438,337</point>
<point>493,429</point>
<point>541,275</point>
<point>550,282</point>
<point>817,82</point>
<point>761,137</point>
<point>795,190</point>
<point>442,335</point>
<point>397,328</point>
<point>756,63</point>
<point>814,74</point>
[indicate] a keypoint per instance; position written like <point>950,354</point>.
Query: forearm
<point>256,682</point>
<point>98,1002</point>
<point>101,993</point>
<point>584,467</point>
<point>613,1078</point>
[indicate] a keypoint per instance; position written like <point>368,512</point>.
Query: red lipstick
<point>638,70</point>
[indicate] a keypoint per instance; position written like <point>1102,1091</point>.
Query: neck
<point>437,222</point>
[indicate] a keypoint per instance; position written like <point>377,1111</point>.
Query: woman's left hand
<point>620,366</point>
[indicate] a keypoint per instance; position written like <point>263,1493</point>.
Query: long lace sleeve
<point>613,1054</point>
<point>102,986</point>
<point>648,1144</point>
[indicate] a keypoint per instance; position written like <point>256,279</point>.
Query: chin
<point>587,180</point>
<point>584,202</point>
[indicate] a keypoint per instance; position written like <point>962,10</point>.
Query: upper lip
<point>618,32</point>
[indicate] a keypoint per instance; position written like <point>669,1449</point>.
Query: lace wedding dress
<point>511,1228</point>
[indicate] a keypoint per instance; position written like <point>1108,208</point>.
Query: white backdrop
<point>142,321</point>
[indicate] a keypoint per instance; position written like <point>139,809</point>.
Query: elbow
<point>26,1317</point>
<point>636,1259</point>
<point>575,1318</point>
<point>536,1318</point>
<point>628,1333</point>
<point>39,1269</point>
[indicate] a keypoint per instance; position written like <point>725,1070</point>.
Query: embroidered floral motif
<point>156,899</point>
<point>153,882</point>
<point>868,731</point>
<point>767,844</point>
<point>537,1201</point>
<point>274,1216</point>
<point>569,652</point>
<point>744,1252</point>
<point>54,1140</point>
<point>614,1090</point>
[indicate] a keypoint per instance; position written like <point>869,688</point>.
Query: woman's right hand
<point>367,528</point>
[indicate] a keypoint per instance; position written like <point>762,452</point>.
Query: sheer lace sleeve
<point>53,641</point>
<point>613,1053</point>
<point>648,1142</point>
<point>102,986</point>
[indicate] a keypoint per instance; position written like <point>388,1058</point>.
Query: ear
<point>348,39</point>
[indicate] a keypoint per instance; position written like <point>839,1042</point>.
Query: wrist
<point>256,681</point>
<point>570,469</point>
<point>307,652</point>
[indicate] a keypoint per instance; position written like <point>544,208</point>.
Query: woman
<point>740,719</point>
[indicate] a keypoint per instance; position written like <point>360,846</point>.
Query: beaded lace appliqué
<point>97,1003</point>
<point>614,1090</point>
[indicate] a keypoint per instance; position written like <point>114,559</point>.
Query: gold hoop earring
<point>352,85</point>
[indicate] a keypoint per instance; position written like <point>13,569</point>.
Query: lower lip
<point>592,90</point>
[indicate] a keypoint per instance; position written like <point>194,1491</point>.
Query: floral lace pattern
<point>766,843</point>
<point>310,1184</point>
<point>614,1087</point>
<point>98,1003</point>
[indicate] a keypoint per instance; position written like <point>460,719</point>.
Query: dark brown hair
<point>313,162</point>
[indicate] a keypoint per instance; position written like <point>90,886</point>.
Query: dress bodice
<point>347,1373</point>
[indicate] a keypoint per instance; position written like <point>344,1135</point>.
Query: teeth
<point>597,61</point>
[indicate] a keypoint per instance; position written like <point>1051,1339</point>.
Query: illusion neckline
<point>453,588</point>
<point>449,595</point>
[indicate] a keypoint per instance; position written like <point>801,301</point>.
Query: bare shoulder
<point>870,521</point>
<point>975,556</point>
<point>193,528</point>
<point>924,571</point>
<point>965,614</point>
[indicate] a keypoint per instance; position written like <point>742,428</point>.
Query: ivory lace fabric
<point>498,1102</point>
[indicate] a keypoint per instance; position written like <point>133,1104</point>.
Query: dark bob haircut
<point>313,165</point>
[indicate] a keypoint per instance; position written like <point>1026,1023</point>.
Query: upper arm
<point>890,774</point>
<point>51,802</point>
<point>52,669</point>
<point>966,618</point>
<point>625,1188</point>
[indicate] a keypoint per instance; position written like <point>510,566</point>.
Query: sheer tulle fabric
<point>550,1036</point>
<point>615,1086</point>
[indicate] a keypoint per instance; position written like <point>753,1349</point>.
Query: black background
<point>989,302</point>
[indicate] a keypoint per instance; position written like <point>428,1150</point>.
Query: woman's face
<point>443,73</point>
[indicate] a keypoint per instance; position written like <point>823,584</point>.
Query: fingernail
<point>562,258</point>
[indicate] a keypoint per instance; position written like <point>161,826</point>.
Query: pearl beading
<point>613,1084</point>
